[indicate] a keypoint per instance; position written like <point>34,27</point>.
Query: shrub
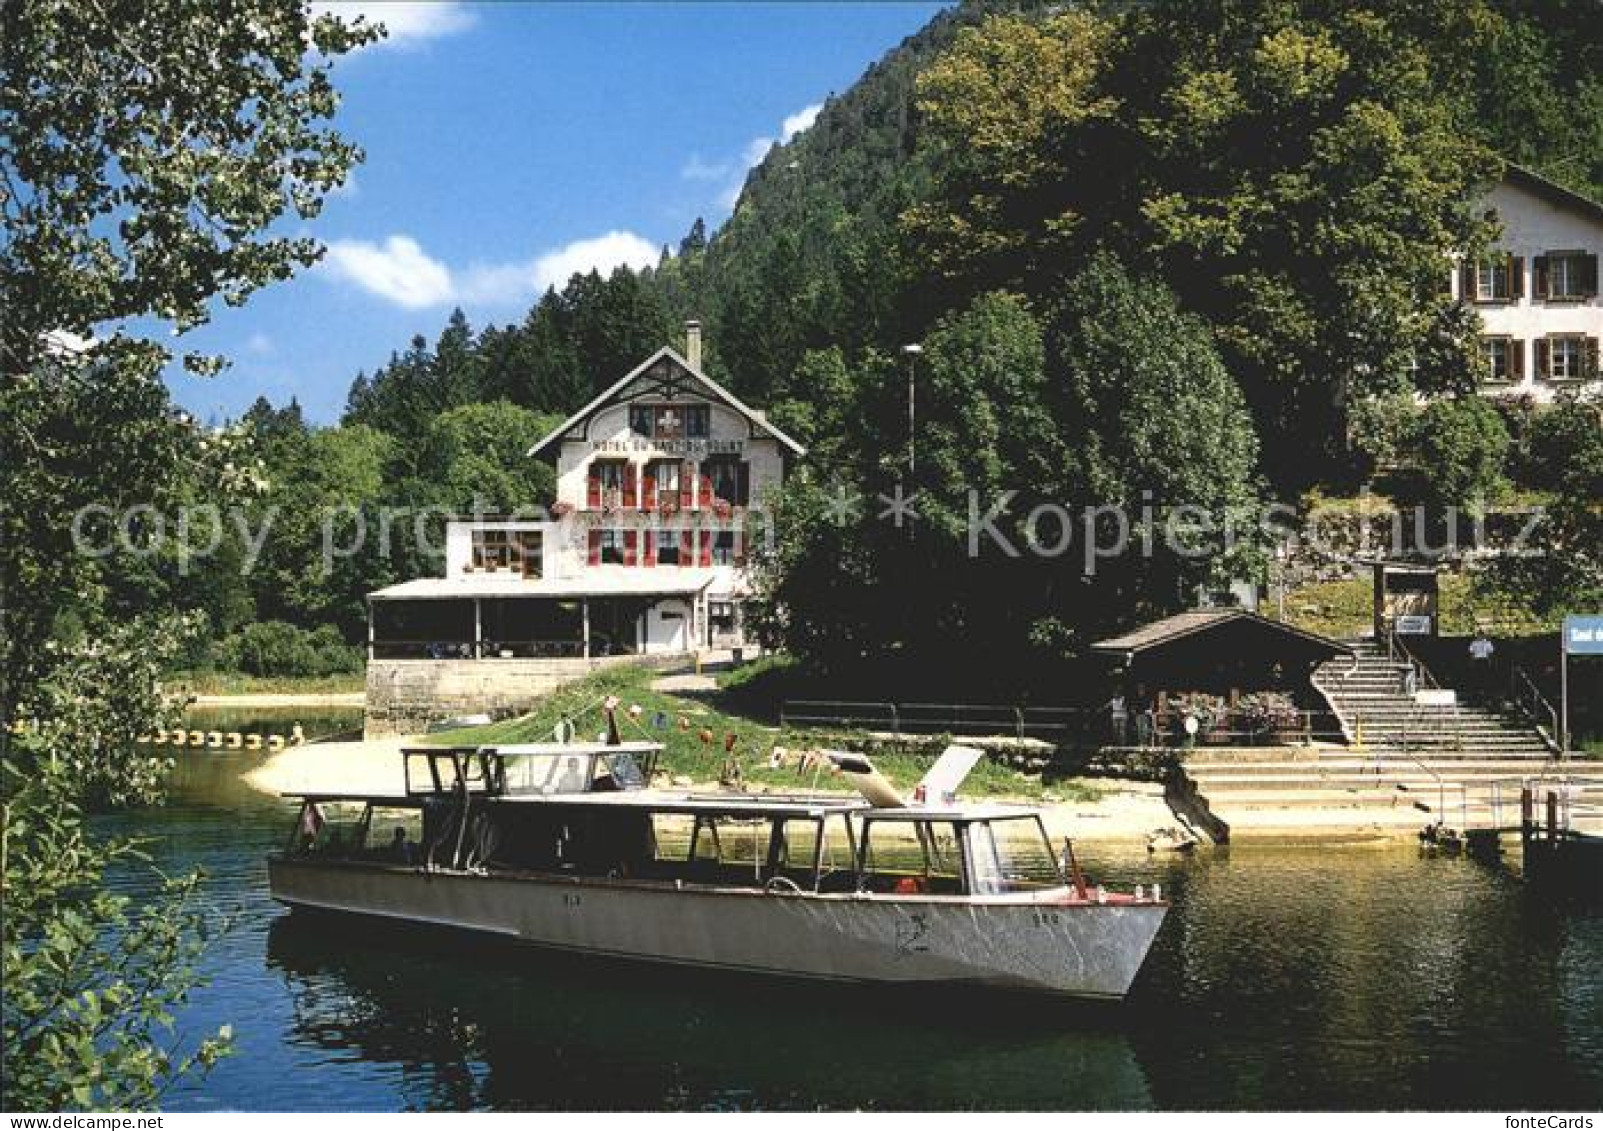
<point>275,648</point>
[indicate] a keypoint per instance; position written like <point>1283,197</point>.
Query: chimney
<point>693,343</point>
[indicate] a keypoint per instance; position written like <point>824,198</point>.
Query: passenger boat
<point>568,846</point>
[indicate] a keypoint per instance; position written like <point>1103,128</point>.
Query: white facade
<point>662,484</point>
<point>1537,290</point>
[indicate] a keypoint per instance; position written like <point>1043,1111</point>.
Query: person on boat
<point>402,849</point>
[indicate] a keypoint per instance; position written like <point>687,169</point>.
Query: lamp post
<point>911,352</point>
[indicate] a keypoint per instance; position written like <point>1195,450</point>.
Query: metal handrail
<point>976,719</point>
<point>1528,697</point>
<point>1395,645</point>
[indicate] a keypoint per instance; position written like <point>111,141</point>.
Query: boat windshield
<point>1012,854</point>
<point>908,857</point>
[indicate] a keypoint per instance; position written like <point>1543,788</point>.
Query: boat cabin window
<point>911,857</point>
<point>1012,855</point>
<point>617,771</point>
<point>354,830</point>
<point>556,773</point>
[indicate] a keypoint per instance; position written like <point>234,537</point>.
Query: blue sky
<point>511,144</point>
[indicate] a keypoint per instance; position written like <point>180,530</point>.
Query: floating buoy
<point>275,742</point>
<point>235,740</point>
<point>253,742</point>
<point>180,736</point>
<point>157,739</point>
<point>214,739</point>
<point>197,738</point>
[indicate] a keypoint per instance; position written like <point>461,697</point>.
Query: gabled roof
<point>1538,185</point>
<point>1170,629</point>
<point>757,419</point>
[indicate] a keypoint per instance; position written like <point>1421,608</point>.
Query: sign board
<point>1583,636</point>
<point>1436,697</point>
<point>1413,626</point>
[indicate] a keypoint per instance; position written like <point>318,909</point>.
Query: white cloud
<point>698,170</point>
<point>400,271</point>
<point>731,174</point>
<point>603,253</point>
<point>800,121</point>
<point>408,23</point>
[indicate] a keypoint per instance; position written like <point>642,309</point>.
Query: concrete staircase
<point>1377,716</point>
<point>1405,765</point>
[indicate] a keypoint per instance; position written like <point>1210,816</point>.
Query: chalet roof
<point>1170,629</point>
<point>616,391</point>
<point>1553,192</point>
<point>600,582</point>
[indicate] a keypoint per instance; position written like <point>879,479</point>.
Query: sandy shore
<point>1127,811</point>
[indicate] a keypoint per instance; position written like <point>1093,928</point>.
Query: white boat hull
<point>1074,949</point>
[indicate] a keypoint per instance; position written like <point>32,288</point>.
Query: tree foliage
<point>150,148</point>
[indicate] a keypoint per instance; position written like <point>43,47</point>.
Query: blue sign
<point>1583,636</point>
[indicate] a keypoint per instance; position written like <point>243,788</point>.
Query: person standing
<point>1480,657</point>
<point>1119,719</point>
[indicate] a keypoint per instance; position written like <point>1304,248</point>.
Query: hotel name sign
<point>640,444</point>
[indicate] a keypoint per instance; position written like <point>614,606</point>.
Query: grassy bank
<point>720,715</point>
<point>1344,609</point>
<point>237,683</point>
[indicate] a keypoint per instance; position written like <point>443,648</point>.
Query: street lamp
<point>911,352</point>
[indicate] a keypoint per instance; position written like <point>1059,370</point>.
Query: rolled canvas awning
<point>662,582</point>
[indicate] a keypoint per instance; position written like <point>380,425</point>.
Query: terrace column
<point>584,604</point>
<point>478,631</point>
<point>370,630</point>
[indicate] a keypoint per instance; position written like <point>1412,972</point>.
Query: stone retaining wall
<point>404,696</point>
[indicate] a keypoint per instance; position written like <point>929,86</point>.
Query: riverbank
<point>353,699</point>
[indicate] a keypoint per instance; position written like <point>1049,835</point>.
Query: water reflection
<point>488,1025</point>
<point>1370,979</point>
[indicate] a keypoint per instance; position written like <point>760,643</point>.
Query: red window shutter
<point>1542,367</point>
<point>648,488</point>
<point>687,546</point>
<point>595,545</point>
<point>592,496</point>
<point>648,553</point>
<point>706,547</point>
<point>628,547</point>
<point>1516,276</point>
<point>1516,359</point>
<point>629,499</point>
<point>687,485</point>
<point>1539,277</point>
<point>705,489</point>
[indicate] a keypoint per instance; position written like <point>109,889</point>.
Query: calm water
<point>1300,978</point>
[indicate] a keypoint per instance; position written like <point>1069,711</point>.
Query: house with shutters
<point>1537,290</point>
<point>661,484</point>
